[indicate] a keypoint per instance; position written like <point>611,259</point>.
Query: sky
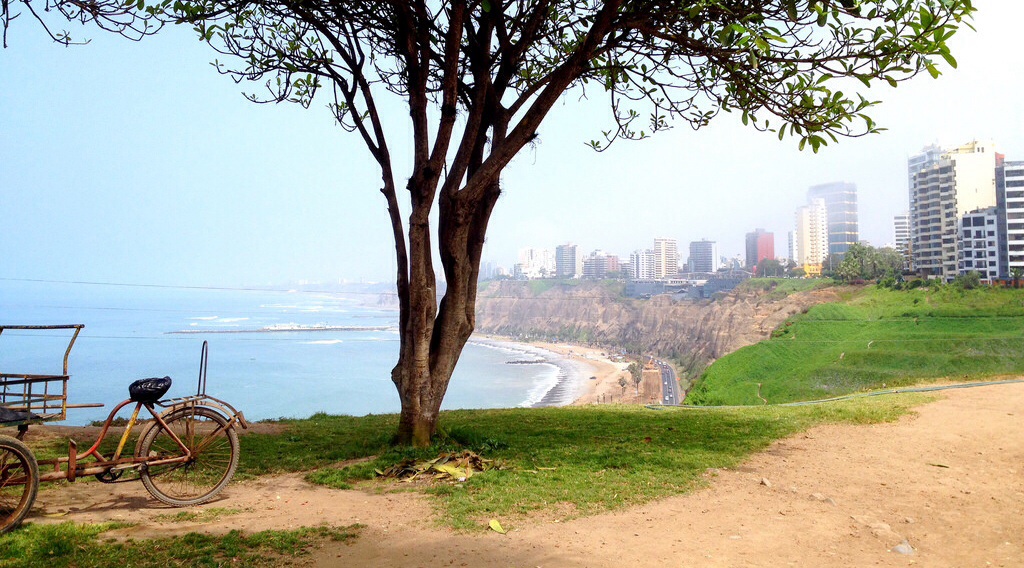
<point>137,163</point>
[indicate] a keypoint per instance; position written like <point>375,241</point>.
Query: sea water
<point>272,353</point>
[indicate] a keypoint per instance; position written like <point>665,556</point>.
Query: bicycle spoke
<point>212,457</point>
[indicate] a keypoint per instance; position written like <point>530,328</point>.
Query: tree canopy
<point>480,76</point>
<point>865,262</point>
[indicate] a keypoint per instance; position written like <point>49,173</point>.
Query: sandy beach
<point>587,375</point>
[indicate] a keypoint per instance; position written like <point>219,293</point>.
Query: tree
<point>480,76</point>
<point>968,280</point>
<point>636,372</point>
<point>768,268</point>
<point>117,16</point>
<point>623,383</point>
<point>1016,273</point>
<point>866,262</point>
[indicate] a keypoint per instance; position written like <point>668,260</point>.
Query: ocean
<point>272,354</point>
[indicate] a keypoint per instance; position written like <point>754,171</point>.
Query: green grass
<point>538,287</point>
<point>875,338</point>
<point>198,515</point>
<point>83,546</point>
<point>316,441</point>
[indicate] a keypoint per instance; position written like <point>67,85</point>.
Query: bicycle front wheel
<point>19,482</point>
<point>213,448</point>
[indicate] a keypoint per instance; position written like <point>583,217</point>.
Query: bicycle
<point>184,456</point>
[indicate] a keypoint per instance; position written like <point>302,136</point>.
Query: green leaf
<point>949,58</point>
<point>496,526</point>
<point>791,9</point>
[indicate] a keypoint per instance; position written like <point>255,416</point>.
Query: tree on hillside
<point>769,268</point>
<point>865,262</point>
<point>480,76</point>
<point>636,372</point>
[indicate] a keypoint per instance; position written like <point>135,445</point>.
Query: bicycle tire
<point>215,449</point>
<point>19,482</point>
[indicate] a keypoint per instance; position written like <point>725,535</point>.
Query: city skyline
<point>138,163</point>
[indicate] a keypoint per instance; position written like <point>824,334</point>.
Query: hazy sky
<point>137,163</point>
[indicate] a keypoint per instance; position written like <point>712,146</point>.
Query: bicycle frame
<point>102,465</point>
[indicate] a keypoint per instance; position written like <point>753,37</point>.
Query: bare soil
<point>945,486</point>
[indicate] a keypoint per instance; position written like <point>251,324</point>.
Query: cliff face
<point>696,333</point>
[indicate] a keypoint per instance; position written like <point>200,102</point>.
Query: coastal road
<point>669,385</point>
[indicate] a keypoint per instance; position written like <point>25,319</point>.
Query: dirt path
<point>947,484</point>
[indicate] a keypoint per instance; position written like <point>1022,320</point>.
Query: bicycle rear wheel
<point>19,482</point>
<point>214,456</point>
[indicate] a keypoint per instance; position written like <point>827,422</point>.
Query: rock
<point>903,548</point>
<point>765,482</point>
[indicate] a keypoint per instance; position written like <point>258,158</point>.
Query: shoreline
<point>585,375</point>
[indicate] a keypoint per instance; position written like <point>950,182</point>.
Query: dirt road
<point>944,487</point>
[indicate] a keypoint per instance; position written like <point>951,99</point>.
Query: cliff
<point>695,333</point>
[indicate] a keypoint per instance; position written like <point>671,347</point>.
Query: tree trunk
<point>434,335</point>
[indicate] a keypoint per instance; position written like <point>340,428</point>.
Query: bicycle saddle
<point>149,390</point>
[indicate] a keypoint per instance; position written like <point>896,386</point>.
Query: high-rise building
<point>812,237</point>
<point>943,187</point>
<point>642,265</point>
<point>1010,198</point>
<point>760,245</point>
<point>666,258</point>
<point>901,233</point>
<point>978,245</point>
<point>704,256</point>
<point>565,261</point>
<point>841,204</point>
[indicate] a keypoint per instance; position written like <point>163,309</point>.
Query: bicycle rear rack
<point>203,399</point>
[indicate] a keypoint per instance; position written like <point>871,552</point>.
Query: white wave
<point>324,342</point>
<point>546,380</point>
<point>231,320</point>
<point>278,307</point>
<point>204,318</point>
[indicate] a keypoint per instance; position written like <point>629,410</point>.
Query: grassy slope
<point>875,338</point>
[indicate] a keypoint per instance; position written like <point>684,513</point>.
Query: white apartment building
<point>567,261</point>
<point>1011,222</point>
<point>666,258</point>
<point>977,244</point>
<point>901,232</point>
<point>943,187</point>
<point>642,265</point>
<point>811,242</point>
